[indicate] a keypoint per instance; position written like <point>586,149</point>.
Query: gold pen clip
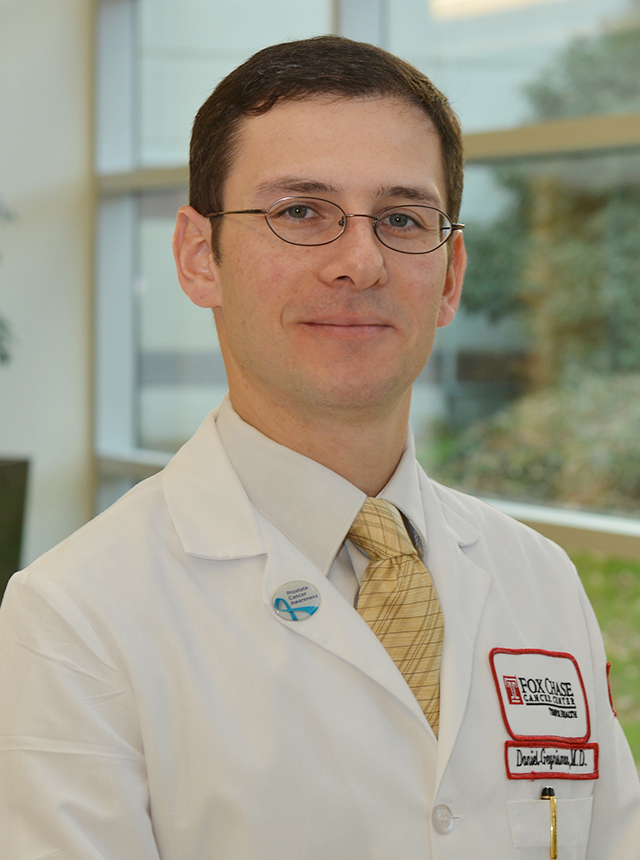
<point>549,794</point>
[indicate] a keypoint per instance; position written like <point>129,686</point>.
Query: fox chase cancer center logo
<point>541,695</point>
<point>542,691</point>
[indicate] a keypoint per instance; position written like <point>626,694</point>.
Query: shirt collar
<point>403,490</point>
<point>311,505</point>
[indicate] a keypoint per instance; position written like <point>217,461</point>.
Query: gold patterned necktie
<point>398,601</point>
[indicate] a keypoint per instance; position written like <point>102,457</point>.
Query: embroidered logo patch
<point>542,695</point>
<point>558,761</point>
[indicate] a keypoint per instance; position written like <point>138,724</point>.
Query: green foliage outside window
<point>575,444</point>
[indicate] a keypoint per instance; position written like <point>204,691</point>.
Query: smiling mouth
<point>345,328</point>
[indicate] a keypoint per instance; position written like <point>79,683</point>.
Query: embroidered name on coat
<point>559,761</point>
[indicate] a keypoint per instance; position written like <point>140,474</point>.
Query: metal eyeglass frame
<point>375,219</point>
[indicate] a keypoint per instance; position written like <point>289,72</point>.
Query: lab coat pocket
<point>530,822</point>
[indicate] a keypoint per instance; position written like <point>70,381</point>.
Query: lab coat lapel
<point>214,519</point>
<point>463,588</point>
<point>335,626</point>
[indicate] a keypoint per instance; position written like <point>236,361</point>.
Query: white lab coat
<point>155,706</point>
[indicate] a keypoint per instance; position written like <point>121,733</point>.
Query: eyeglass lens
<point>413,229</point>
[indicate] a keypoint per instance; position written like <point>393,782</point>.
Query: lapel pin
<point>296,600</point>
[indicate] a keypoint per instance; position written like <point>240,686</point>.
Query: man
<point>212,668</point>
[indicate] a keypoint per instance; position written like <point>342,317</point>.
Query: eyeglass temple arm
<point>237,212</point>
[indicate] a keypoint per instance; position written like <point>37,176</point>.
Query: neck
<point>363,448</point>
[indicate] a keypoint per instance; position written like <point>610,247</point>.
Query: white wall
<point>46,69</point>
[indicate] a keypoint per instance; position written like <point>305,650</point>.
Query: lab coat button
<point>442,818</point>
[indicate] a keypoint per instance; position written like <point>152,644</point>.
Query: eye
<point>298,212</point>
<point>305,220</point>
<point>399,220</point>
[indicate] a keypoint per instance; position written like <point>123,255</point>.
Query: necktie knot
<point>380,531</point>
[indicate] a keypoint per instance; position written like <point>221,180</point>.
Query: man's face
<point>343,326</point>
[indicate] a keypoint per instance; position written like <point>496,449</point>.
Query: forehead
<point>348,146</point>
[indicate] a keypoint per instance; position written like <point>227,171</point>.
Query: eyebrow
<point>288,184</point>
<point>297,185</point>
<point>416,193</point>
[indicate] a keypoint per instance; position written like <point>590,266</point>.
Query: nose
<point>357,257</point>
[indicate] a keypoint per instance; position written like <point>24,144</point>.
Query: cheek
<point>263,281</point>
<point>251,295</point>
<point>424,300</point>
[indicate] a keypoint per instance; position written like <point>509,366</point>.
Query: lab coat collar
<point>211,512</point>
<point>455,510</point>
<point>214,517</point>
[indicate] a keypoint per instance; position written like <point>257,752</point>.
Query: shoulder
<point>492,533</point>
<point>193,511</point>
<point>118,540</point>
<point>533,580</point>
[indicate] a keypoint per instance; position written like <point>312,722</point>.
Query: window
<point>547,409</point>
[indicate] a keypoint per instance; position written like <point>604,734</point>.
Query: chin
<point>363,395</point>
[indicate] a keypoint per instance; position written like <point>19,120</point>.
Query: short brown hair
<point>291,71</point>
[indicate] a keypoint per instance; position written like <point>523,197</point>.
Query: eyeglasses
<point>414,229</point>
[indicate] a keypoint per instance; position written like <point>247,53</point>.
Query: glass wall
<point>183,49</point>
<point>180,371</point>
<point>554,272</point>
<point>544,368</point>
<point>531,393</point>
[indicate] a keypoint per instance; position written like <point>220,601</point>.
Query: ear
<point>453,281</point>
<point>197,270</point>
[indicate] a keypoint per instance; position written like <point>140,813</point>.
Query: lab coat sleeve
<point>72,772</point>
<point>615,822</point>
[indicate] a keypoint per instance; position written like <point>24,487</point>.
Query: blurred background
<point>532,396</point>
